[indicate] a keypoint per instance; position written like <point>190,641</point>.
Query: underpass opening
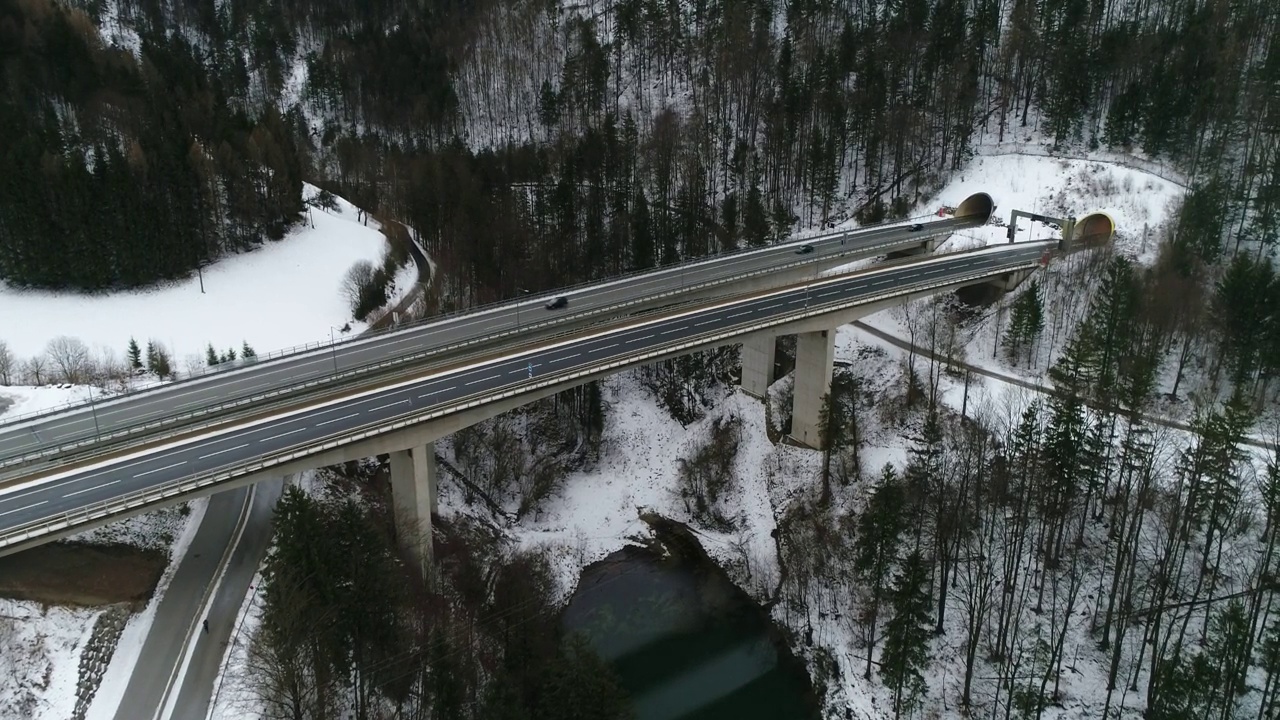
<point>977,205</point>
<point>1092,230</point>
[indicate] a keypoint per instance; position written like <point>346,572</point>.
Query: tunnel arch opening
<point>1092,230</point>
<point>977,205</point>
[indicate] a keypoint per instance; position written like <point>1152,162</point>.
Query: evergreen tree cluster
<point>348,627</point>
<point>532,145</point>
<point>1012,536</point>
<point>120,169</point>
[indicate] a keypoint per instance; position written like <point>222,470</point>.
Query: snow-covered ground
<point>282,294</point>
<point>1138,202</point>
<point>26,400</point>
<point>39,653</point>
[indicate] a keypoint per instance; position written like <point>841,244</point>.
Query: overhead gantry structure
<point>1092,230</point>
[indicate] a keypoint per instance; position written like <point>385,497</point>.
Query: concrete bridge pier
<point>757,363</point>
<point>815,358</point>
<point>414,497</point>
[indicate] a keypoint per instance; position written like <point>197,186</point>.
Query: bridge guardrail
<point>298,350</point>
<point>183,486</point>
<point>149,428</point>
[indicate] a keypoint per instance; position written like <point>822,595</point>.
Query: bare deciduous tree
<point>70,357</point>
<point>107,366</point>
<point>34,370</point>
<point>356,283</point>
<point>7,364</point>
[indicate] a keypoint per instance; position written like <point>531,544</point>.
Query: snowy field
<point>282,294</point>
<point>24,400</point>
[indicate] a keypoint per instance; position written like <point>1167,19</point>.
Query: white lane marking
<point>192,403</point>
<point>344,417</point>
<point>674,329</point>
<point>480,380</point>
<point>202,457</point>
<point>95,487</point>
<point>570,357</point>
<point>829,292</point>
<point>166,467</point>
<point>645,337</point>
<point>706,322</point>
<point>609,347</point>
<point>384,407</point>
<point>436,392</point>
<point>744,312</point>
<point>882,282</point>
<point>274,437</point>
<point>28,507</point>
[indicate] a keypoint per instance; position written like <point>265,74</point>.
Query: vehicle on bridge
<point>804,249</point>
<point>558,303</point>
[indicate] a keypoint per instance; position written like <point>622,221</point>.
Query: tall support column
<point>413,497</point>
<point>815,357</point>
<point>757,363</point>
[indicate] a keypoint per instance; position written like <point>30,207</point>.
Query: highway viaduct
<point>405,412</point>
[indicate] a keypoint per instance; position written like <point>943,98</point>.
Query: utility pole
<point>97,432</point>
<point>333,350</point>
<point>522,291</point>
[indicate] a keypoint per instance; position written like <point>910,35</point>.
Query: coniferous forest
<point>540,143</point>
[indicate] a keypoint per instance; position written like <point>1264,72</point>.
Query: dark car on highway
<point>804,249</point>
<point>558,303</point>
<point>917,227</point>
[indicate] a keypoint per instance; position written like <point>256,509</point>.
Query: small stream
<point>685,641</point>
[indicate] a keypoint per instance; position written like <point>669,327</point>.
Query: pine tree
<point>879,532</point>
<point>163,368</point>
<point>134,355</point>
<point>756,229</point>
<point>211,356</point>
<point>151,358</point>
<point>1269,661</point>
<point>1026,320</point>
<point>906,637</point>
<point>1228,650</point>
<point>247,352</point>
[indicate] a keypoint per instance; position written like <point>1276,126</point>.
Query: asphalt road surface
<point>196,687</point>
<point>26,438</point>
<point>162,650</point>
<point>235,448</point>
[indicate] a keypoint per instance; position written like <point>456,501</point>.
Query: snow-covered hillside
<point>282,294</point>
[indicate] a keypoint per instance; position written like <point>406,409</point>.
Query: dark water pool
<point>685,642</point>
